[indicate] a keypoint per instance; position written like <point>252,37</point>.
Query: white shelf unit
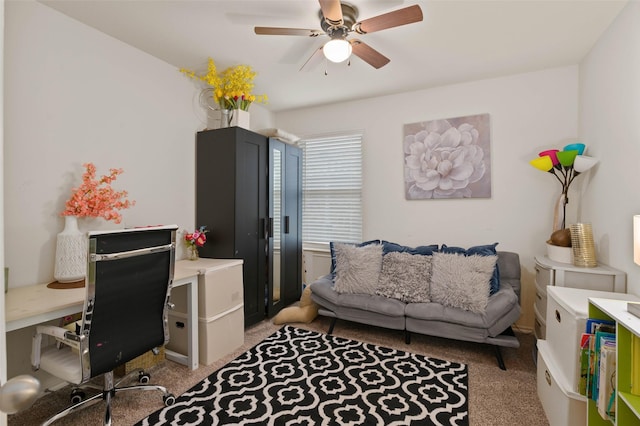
<point>627,325</point>
<point>558,357</point>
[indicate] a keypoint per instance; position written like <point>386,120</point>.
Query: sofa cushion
<point>332,245</point>
<point>357,268</point>
<point>461,281</point>
<point>483,250</point>
<point>389,247</point>
<point>323,293</point>
<point>405,277</point>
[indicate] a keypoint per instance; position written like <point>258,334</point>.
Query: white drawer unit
<point>558,274</point>
<point>220,309</point>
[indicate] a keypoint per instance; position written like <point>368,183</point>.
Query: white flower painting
<point>448,158</point>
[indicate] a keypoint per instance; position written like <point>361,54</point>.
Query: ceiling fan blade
<point>332,11</point>
<point>368,54</point>
<point>407,15</point>
<point>313,60</point>
<point>287,31</point>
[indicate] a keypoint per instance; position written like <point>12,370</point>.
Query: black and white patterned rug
<point>298,377</point>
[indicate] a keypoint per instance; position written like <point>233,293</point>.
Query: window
<point>332,189</point>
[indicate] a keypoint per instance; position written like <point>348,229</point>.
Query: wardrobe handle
<point>264,228</point>
<point>286,224</point>
<point>270,231</point>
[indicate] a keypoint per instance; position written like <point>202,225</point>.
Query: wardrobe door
<point>231,201</point>
<point>277,202</point>
<point>251,221</point>
<point>292,227</point>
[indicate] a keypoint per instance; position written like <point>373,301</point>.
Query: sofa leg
<point>333,323</point>
<point>407,337</point>
<point>499,358</point>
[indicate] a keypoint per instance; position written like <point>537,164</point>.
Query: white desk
<point>35,304</point>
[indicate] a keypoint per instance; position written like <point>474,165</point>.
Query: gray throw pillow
<point>357,268</point>
<point>405,277</point>
<point>461,281</point>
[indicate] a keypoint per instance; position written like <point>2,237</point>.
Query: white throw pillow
<point>461,281</point>
<point>357,268</point>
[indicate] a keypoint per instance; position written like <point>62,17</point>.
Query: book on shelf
<point>588,356</point>
<point>586,364</point>
<point>601,339</point>
<point>634,308</point>
<point>607,380</point>
<point>594,324</point>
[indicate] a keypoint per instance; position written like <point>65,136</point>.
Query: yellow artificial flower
<point>232,87</point>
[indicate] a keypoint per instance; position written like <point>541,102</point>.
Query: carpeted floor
<point>496,397</point>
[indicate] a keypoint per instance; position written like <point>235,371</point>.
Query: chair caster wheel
<point>144,378</point>
<point>169,400</point>
<point>77,396</point>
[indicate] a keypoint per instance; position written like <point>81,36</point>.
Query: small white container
<point>560,254</point>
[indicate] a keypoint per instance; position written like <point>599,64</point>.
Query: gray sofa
<point>492,326</point>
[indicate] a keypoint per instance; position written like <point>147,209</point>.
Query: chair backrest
<point>129,278</point>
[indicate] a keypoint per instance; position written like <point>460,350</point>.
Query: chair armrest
<point>62,335</point>
<point>52,330</point>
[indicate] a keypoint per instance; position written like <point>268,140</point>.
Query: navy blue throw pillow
<point>485,250</point>
<point>389,247</point>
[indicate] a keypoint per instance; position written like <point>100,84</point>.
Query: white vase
<point>240,118</point>
<point>71,253</point>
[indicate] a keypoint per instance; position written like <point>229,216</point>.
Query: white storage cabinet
<point>558,274</point>
<point>220,310</point>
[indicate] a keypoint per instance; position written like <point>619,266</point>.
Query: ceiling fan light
<point>337,50</point>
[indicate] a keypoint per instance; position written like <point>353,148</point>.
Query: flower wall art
<point>448,158</point>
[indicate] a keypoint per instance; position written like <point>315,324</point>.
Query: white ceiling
<point>457,41</point>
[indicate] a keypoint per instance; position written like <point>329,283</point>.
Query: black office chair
<point>128,284</point>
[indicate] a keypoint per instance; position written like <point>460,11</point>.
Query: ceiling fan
<point>337,20</point>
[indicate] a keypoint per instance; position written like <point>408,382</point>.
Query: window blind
<point>332,189</point>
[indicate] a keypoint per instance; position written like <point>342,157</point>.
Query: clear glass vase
<point>192,252</point>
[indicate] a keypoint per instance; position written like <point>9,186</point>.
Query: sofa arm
<point>510,271</point>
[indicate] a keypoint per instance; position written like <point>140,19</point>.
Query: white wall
<point>528,112</point>
<point>609,114</point>
<point>75,95</point>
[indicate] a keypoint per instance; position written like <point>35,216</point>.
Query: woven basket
<point>144,361</point>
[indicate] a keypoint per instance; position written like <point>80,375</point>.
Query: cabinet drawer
<point>539,326</point>
<point>562,406</point>
<point>544,275</point>
<point>586,280</point>
<point>541,301</point>
<point>565,324</point>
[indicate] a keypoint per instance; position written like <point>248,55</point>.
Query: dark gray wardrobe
<point>249,196</point>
